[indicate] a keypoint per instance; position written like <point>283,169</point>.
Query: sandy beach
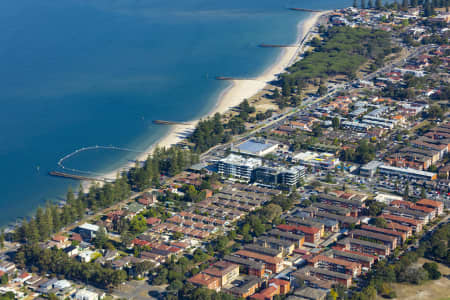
<point>237,92</point>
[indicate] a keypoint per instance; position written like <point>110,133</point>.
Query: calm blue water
<point>76,73</point>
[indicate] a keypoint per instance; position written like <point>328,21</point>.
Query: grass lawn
<point>430,290</point>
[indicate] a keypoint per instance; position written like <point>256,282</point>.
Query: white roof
<point>387,198</point>
<point>62,284</point>
<point>408,170</point>
<point>90,227</point>
<point>86,293</point>
<point>242,161</point>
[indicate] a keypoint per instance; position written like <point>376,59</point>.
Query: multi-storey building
<point>364,246</point>
<point>237,166</point>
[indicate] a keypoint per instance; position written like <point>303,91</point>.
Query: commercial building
<point>370,168</point>
<point>279,176</point>
<point>251,169</point>
<point>407,173</point>
<point>237,166</point>
<point>255,147</point>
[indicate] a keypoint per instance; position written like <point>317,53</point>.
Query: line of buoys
<point>96,147</point>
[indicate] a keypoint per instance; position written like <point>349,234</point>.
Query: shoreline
<point>232,95</point>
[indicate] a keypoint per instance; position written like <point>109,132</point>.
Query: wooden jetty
<point>276,46</point>
<point>73,176</point>
<point>229,78</point>
<point>304,9</point>
<point>164,122</point>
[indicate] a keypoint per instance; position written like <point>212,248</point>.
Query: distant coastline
<point>233,95</point>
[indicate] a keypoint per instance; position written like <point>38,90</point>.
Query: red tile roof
<point>139,242</point>
<point>301,251</point>
<point>401,219</point>
<point>304,229</point>
<point>378,229</point>
<point>279,282</point>
<point>267,293</point>
<point>335,261</point>
<point>203,279</point>
<point>59,238</point>
<point>152,221</point>
<point>262,257</point>
<point>395,226</point>
<point>428,202</point>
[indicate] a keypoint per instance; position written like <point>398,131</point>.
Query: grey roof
<point>244,261</point>
<point>362,242</point>
<point>254,146</point>
<point>407,171</point>
<point>262,250</point>
<point>373,235</point>
<point>272,240</point>
<point>311,293</point>
<point>135,207</point>
<point>327,272</point>
<point>326,222</point>
<point>355,256</point>
<point>286,235</point>
<point>325,284</point>
<point>199,166</point>
<point>305,222</point>
<point>406,211</point>
<point>336,209</point>
<point>247,282</point>
<point>322,197</point>
<point>343,219</point>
